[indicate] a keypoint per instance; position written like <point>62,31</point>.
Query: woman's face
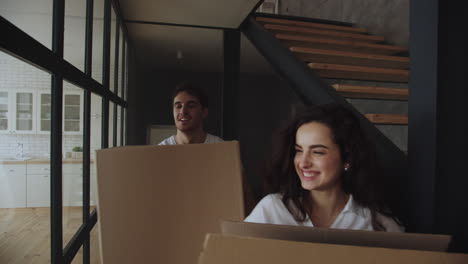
<point>317,160</point>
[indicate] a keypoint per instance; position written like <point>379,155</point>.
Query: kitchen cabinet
<point>29,112</point>
<point>12,185</point>
<point>72,113</point>
<point>44,112</point>
<point>72,104</point>
<point>72,185</point>
<point>24,121</point>
<point>5,120</point>
<point>38,185</point>
<point>28,185</point>
<point>17,111</point>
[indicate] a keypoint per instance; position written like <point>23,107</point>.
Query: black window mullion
<point>22,46</point>
<point>56,136</point>
<point>231,43</point>
<point>125,91</point>
<point>122,123</point>
<point>105,74</point>
<point>87,129</point>
<point>116,80</point>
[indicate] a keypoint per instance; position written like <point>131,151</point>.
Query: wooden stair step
<point>268,20</point>
<point>371,92</point>
<point>385,119</point>
<point>320,32</point>
<point>359,72</point>
<point>350,58</point>
<point>339,44</point>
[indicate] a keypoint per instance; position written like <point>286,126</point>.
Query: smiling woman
<point>323,174</point>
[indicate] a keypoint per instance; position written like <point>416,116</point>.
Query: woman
<point>323,175</point>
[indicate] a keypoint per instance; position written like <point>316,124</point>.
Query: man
<point>190,109</point>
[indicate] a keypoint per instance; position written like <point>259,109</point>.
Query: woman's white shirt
<point>271,210</point>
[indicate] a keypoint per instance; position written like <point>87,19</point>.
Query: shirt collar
<point>352,207</point>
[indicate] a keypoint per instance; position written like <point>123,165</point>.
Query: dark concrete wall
<point>158,89</point>
<point>135,117</point>
<point>389,18</point>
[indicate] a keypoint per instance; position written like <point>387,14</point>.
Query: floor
<point>25,235</point>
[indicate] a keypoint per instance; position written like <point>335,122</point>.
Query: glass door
<point>24,112</point>
<point>72,113</point>
<point>44,112</point>
<point>4,118</point>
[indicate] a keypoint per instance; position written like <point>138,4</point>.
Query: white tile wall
<point>16,74</point>
<point>35,145</point>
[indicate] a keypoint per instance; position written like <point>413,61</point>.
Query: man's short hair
<point>193,90</point>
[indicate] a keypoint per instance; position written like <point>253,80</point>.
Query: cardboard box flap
<point>338,236</point>
<point>156,203</point>
<point>229,249</point>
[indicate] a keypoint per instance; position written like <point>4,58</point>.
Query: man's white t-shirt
<point>271,210</point>
<point>208,140</point>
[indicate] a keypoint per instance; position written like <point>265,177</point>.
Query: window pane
<point>94,245</point>
<point>20,84</point>
<point>112,50</point>
<point>111,124</point>
<point>98,31</point>
<point>120,63</point>
<point>125,94</point>
<point>72,165</point>
<point>25,178</point>
<point>31,16</point>
<point>75,32</point>
<point>96,129</point>
<point>72,109</point>
<point>119,125</point>
<point>125,125</point>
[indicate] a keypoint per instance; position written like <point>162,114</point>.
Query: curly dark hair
<point>355,149</point>
<point>193,90</point>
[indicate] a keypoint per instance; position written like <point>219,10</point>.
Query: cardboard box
<point>338,236</point>
<point>156,203</point>
<point>274,244</point>
<point>228,249</point>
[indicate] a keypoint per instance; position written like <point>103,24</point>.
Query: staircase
<point>350,59</point>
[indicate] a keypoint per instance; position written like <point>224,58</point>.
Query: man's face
<point>188,112</point>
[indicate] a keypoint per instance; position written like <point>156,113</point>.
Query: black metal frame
<point>87,130</point>
<point>116,80</point>
<point>230,121</point>
<point>105,73</point>
<point>22,46</point>
<point>56,136</point>
<point>170,24</point>
<point>123,93</point>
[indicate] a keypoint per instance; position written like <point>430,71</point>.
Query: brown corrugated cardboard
<point>156,203</point>
<point>338,236</point>
<point>227,249</point>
